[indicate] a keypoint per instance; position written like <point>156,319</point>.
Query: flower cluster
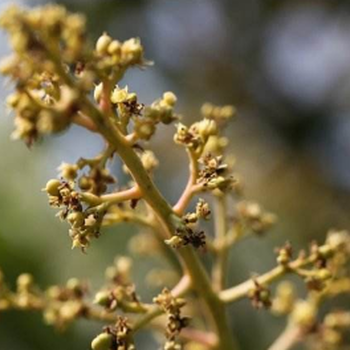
<point>53,65</point>
<point>85,221</point>
<point>115,338</point>
<point>214,174</point>
<point>61,79</point>
<point>172,307</point>
<point>252,216</point>
<point>327,277</point>
<point>120,291</point>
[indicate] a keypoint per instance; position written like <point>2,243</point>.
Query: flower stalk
<point>56,73</point>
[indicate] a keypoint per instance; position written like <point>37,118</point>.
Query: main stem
<point>150,193</point>
<point>190,261</point>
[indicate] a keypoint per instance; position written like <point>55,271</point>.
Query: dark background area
<point>285,65</point>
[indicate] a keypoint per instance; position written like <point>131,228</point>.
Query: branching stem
<point>240,291</point>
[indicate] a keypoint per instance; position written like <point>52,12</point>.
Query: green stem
<point>150,193</point>
<point>220,265</point>
<point>241,290</point>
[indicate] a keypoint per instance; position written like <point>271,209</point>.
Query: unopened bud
<point>203,210</point>
<point>24,282</point>
<point>102,298</point>
<point>206,128</point>
<point>114,47</point>
<point>175,241</point>
<point>76,219</point>
<point>68,171</point>
<point>52,187</point>
<point>102,43</point>
<point>169,98</point>
<point>324,274</point>
<point>304,313</point>
<point>102,342</point>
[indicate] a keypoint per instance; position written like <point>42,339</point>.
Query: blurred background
<point>284,64</point>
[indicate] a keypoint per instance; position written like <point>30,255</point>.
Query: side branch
<point>150,193</point>
<point>191,187</point>
<point>240,291</point>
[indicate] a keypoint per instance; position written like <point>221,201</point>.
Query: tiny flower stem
<point>105,101</point>
<point>190,189</point>
<point>126,216</point>
<point>100,315</point>
<point>85,122</point>
<point>118,197</point>
<point>208,339</point>
<point>106,155</point>
<point>146,319</point>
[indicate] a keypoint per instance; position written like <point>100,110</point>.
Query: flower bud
<point>132,51</point>
<point>76,219</point>
<point>123,264</point>
<point>206,128</point>
<point>8,64</point>
<point>13,99</point>
<point>190,218</point>
<point>285,297</point>
<point>102,43</point>
<point>332,338</point>
<point>337,319</point>
<point>52,187</point>
<point>102,298</point>
<point>175,241</point>
<point>203,210</point>
<point>122,95</point>
<point>68,171</point>
<point>85,183</point>
<point>53,292</point>
<point>70,310</point>
<point>102,342</point>
<point>338,239</point>
<point>216,144</point>
<point>169,98</point>
<point>144,129</point>
<point>219,113</point>
<point>227,112</point>
<point>324,274</point>
<point>304,313</point>
<point>24,282</point>
<point>114,47</point>
<point>74,284</point>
